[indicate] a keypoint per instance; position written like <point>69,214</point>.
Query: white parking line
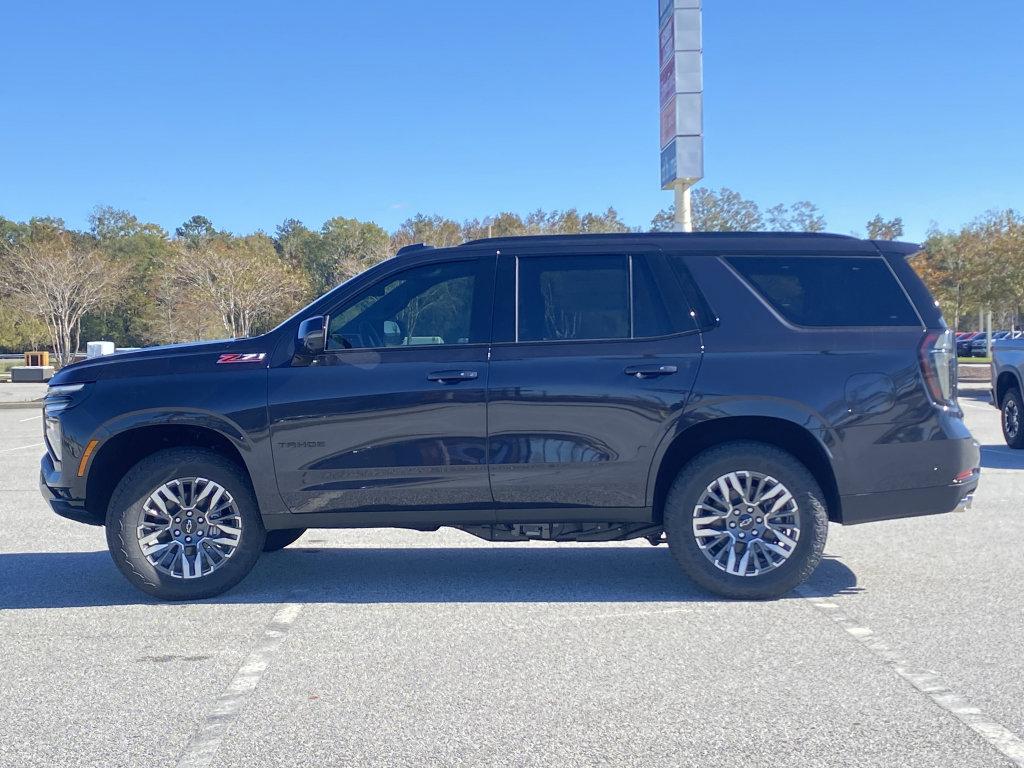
<point>1000,738</point>
<point>21,448</point>
<point>203,746</point>
<point>979,406</point>
<point>31,418</point>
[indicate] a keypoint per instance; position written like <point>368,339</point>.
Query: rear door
<point>594,354</point>
<point>389,424</point>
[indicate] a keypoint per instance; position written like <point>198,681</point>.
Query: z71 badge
<point>248,357</point>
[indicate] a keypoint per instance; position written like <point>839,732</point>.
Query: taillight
<point>937,355</point>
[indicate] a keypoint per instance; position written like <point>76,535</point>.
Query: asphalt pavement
<point>392,648</point>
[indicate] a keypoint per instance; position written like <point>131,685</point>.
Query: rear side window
<point>828,291</point>
<point>567,297</point>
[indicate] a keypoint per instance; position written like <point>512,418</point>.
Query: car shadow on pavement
<point>1001,457</point>
<point>401,575</point>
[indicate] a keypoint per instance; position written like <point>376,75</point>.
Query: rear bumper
<point>914,502</point>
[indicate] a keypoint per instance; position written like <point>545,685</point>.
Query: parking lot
<point>393,648</point>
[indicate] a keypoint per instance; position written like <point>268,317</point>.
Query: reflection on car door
<point>390,422</point>
<point>579,393</point>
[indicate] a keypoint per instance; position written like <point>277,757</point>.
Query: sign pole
<point>684,213</point>
<point>681,76</point>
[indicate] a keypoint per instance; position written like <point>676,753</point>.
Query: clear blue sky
<point>253,112</point>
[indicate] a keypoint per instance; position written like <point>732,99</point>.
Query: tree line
<point>136,283</point>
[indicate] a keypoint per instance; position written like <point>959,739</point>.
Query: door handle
<point>452,377</point>
<point>650,371</point>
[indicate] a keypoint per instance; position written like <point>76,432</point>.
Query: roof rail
<point>656,235</point>
<point>412,248</point>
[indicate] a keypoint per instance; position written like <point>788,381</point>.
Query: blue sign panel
<point>668,164</point>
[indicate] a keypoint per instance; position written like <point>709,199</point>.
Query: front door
<point>389,424</point>
<point>594,356</point>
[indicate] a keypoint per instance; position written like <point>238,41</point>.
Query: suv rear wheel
<point>1012,415</point>
<point>746,520</point>
<point>183,524</point>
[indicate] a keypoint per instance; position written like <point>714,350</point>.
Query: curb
<point>22,405</point>
<point>975,372</point>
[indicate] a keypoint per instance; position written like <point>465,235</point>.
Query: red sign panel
<point>668,122</point>
<point>668,80</point>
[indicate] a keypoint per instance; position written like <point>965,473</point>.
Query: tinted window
<point>569,297</point>
<point>662,303</point>
<point>829,291</point>
<point>427,305</point>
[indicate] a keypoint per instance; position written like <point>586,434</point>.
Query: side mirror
<point>312,335</point>
<point>392,333</point>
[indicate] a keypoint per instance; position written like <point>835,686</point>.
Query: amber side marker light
<point>85,456</point>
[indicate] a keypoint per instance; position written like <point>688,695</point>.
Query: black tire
<point>1012,418</point>
<point>688,490</point>
<point>132,493</point>
<point>277,540</point>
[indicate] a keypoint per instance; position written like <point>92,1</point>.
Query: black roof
<point>712,242</point>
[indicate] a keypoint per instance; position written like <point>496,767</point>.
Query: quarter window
<point>829,291</point>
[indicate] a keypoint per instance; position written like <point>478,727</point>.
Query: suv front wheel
<point>183,524</point>
<point>1012,415</point>
<point>746,520</point>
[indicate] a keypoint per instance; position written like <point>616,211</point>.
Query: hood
<point>162,361</point>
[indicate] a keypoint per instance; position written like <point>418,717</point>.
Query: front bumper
<point>60,499</point>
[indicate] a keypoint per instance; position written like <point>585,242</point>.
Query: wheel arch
<point>782,433</point>
<point>1007,380</point>
<point>124,449</point>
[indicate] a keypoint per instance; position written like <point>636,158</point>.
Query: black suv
<point>727,393</point>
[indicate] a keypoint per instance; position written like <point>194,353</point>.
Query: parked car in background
<point>1007,386</point>
<point>979,345</point>
<point>963,345</point>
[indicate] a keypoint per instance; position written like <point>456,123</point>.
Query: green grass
<point>969,360</point>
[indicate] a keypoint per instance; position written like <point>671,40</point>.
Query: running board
<point>564,531</point>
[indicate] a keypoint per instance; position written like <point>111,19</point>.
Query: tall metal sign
<point>682,101</point>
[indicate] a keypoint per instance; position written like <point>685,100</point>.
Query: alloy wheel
<point>189,527</point>
<point>746,523</point>
<point>1011,418</point>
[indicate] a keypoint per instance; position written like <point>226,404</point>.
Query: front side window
<point>829,290</point>
<point>568,297</point>
<point>422,306</point>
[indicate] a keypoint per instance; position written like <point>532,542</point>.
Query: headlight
<point>63,389</point>
<point>58,398</point>
<point>53,436</point>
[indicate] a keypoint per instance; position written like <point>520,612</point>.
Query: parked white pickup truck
<point>1007,385</point>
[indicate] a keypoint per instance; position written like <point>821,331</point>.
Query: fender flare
<point>704,410</point>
